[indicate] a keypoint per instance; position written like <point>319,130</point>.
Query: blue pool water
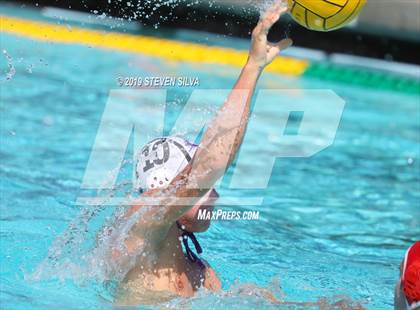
<point>335,224</point>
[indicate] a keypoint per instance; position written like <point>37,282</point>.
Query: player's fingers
<point>276,48</point>
<point>271,17</point>
<point>257,30</point>
<point>285,43</point>
<point>268,20</point>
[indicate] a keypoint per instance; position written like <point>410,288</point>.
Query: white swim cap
<point>161,160</point>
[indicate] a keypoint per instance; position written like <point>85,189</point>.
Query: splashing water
<point>11,69</point>
<point>158,12</point>
<point>83,252</point>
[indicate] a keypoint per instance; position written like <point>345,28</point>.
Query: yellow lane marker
<point>162,48</point>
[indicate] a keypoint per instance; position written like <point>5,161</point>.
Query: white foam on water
<point>83,253</point>
<point>86,250</point>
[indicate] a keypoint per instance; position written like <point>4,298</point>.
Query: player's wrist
<point>254,66</point>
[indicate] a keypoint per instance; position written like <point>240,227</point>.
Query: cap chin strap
<point>192,257</point>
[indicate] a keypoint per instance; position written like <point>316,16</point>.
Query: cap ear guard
<point>158,179</point>
<point>161,160</point>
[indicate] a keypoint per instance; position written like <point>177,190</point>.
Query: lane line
<point>151,46</point>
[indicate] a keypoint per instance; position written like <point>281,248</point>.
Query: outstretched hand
<point>263,52</point>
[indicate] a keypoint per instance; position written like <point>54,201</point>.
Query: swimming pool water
<point>334,224</point>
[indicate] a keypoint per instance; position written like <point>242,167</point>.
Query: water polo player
<point>178,177</point>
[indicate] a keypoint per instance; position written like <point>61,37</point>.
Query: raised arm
<point>224,135</point>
